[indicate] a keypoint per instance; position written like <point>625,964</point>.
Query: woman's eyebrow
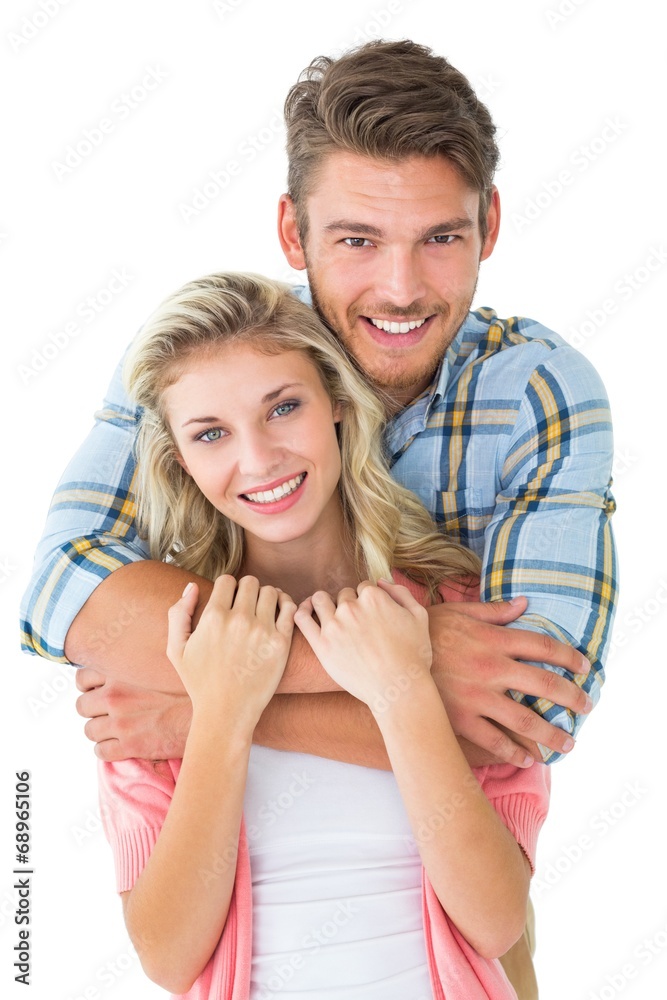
<point>201,420</point>
<point>268,398</point>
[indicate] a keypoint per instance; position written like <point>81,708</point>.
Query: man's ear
<point>492,224</point>
<point>288,233</point>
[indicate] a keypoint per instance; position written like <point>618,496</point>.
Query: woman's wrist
<point>406,703</point>
<point>232,728</point>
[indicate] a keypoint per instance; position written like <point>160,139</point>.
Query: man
<point>500,427</point>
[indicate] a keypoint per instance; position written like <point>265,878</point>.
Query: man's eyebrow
<point>268,398</point>
<point>361,229</point>
<point>347,226</point>
<point>443,228</point>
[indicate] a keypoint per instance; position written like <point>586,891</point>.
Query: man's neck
<point>396,399</point>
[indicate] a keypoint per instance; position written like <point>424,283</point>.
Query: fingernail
<point>528,761</point>
<point>514,601</point>
<point>588,704</point>
<point>383,579</point>
<point>187,588</point>
<point>568,743</point>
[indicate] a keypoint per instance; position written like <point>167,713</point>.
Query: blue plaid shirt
<point>510,449</point>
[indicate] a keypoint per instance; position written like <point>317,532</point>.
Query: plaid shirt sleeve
<point>549,537</point>
<point>90,528</point>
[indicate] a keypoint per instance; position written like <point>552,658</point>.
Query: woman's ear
<point>337,412</point>
<point>181,461</point>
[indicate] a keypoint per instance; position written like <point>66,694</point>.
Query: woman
<point>260,461</point>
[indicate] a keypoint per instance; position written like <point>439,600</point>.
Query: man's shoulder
<point>512,349</point>
<point>490,333</point>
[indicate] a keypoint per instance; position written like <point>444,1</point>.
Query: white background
<point>552,81</point>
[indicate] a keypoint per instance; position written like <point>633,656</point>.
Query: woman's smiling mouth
<point>284,489</point>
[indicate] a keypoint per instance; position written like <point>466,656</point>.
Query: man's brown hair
<point>387,100</point>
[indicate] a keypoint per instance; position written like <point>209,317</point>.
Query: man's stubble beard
<point>402,380</point>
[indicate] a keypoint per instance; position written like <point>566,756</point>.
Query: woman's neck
<point>322,560</point>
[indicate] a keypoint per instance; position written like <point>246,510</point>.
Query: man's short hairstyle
<point>387,100</point>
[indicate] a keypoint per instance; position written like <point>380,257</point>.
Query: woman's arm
<point>376,644</point>
<point>177,908</point>
<point>477,869</point>
<point>176,911</point>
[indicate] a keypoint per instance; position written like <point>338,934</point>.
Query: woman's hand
<point>374,641</point>
<point>237,654</point>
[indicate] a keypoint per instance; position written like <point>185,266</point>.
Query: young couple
<point>261,464</point>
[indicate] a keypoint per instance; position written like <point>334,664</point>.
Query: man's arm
<point>122,631</point>
<point>550,536</point>
<point>129,721</point>
<point>91,563</point>
<point>89,532</point>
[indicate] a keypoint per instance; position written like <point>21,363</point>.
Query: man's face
<point>392,252</point>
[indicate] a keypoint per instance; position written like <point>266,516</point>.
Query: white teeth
<point>394,327</point>
<point>270,496</point>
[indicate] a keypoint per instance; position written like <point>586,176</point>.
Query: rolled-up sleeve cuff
<point>57,594</point>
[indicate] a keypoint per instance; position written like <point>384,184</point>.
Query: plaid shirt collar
<point>413,419</point>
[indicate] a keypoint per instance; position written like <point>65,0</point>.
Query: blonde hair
<point>389,525</point>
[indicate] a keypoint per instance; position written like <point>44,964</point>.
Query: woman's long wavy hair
<point>388,524</point>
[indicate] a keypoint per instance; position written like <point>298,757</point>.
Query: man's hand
<point>128,721</point>
<point>476,661</point>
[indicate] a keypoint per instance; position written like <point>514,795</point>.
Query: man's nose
<point>399,280</point>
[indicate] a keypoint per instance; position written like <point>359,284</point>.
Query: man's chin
<point>396,384</point>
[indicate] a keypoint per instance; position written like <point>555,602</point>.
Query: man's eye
<point>357,241</point>
<point>444,239</point>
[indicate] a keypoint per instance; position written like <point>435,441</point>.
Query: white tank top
<point>336,883</point>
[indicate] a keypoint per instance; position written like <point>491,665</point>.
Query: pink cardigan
<point>135,797</point>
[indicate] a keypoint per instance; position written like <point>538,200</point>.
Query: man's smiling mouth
<point>393,326</point>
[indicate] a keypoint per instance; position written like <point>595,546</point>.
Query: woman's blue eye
<point>285,408</point>
<point>214,434</point>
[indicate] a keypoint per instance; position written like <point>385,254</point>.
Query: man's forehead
<point>361,193</point>
<point>372,185</point>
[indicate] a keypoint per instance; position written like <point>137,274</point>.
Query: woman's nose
<point>258,456</point>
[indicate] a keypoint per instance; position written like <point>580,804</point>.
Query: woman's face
<point>257,434</point>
